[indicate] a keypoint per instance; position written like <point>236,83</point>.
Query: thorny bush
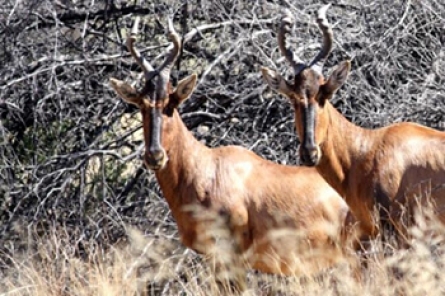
<point>70,149</point>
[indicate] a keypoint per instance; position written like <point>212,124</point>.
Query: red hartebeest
<point>387,169</point>
<point>256,196</point>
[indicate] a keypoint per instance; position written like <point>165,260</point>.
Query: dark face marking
<point>152,110</point>
<point>308,148</point>
<point>306,88</point>
<point>154,152</point>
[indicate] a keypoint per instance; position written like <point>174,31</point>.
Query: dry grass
<point>144,265</point>
<point>58,150</point>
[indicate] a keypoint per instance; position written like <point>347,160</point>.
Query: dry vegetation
<point>72,189</point>
<point>156,265</point>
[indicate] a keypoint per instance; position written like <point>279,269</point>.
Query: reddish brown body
<point>277,214</point>
<point>390,170</point>
<point>258,197</point>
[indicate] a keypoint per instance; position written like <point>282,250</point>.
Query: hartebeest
<point>256,196</point>
<point>389,169</point>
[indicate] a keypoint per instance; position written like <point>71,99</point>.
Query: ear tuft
<point>338,77</point>
<point>270,77</point>
<point>275,81</point>
<point>185,87</point>
<point>342,71</point>
<point>126,91</point>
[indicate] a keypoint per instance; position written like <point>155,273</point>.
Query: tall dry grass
<point>143,265</point>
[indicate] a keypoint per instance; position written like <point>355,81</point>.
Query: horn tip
<point>171,28</point>
<point>322,11</point>
<point>287,16</point>
<point>134,29</point>
<point>172,34</point>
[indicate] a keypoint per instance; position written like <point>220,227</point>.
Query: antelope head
<point>157,100</point>
<point>309,90</point>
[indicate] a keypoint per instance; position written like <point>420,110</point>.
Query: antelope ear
<point>185,88</point>
<point>338,77</point>
<point>276,81</point>
<point>126,91</point>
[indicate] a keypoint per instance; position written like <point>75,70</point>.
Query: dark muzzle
<point>309,151</point>
<point>155,159</point>
<point>309,155</point>
<point>155,156</point>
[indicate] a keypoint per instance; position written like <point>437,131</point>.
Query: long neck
<point>185,155</point>
<point>346,145</point>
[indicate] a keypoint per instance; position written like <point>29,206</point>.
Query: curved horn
<point>285,28</point>
<point>165,68</point>
<point>142,62</point>
<point>174,53</point>
<point>328,39</point>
